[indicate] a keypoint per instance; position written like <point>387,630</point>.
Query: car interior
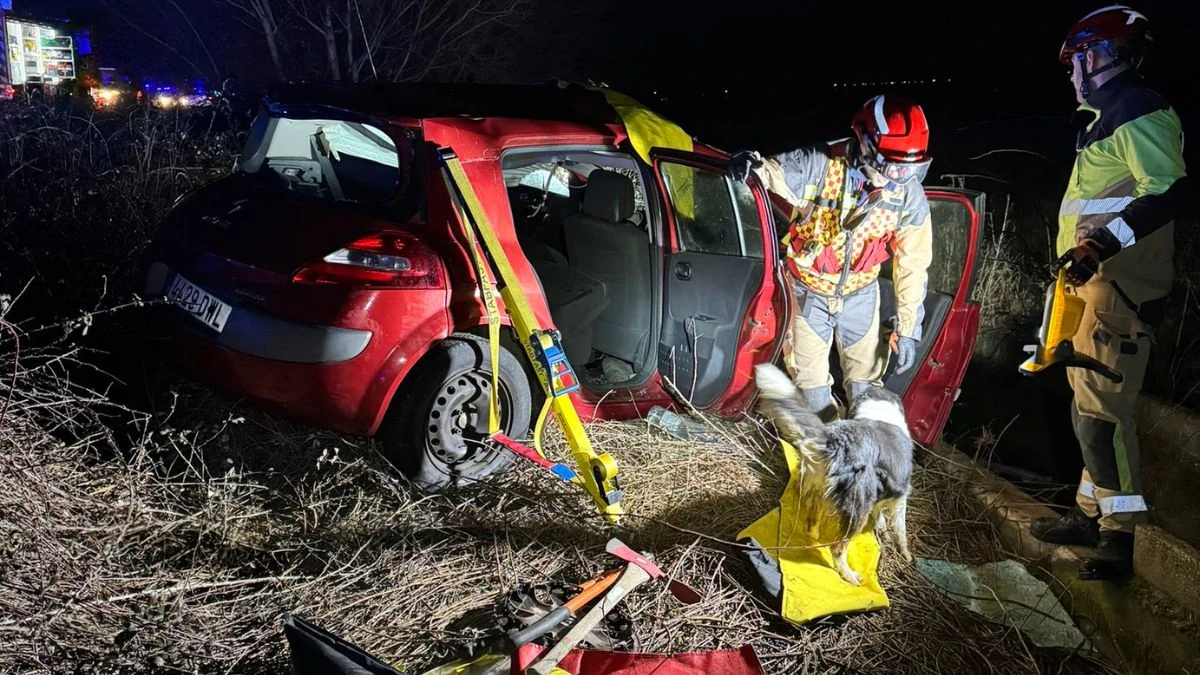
<point>337,160</point>
<point>581,220</point>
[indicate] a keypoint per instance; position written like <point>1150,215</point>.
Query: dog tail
<point>784,405</point>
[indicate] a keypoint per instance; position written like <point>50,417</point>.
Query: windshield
<point>336,160</point>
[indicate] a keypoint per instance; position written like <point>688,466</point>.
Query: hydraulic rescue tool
<point>1061,318</point>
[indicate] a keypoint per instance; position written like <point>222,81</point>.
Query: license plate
<point>198,303</point>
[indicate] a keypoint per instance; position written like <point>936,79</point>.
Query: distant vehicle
<point>327,279</point>
<point>175,95</point>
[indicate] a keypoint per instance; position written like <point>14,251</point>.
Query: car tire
<point>438,420</point>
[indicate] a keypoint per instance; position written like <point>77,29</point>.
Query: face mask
<point>906,172</point>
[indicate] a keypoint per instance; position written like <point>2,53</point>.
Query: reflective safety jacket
<point>1127,179</point>
<point>843,228</point>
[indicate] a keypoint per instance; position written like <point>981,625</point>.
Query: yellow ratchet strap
<point>597,471</point>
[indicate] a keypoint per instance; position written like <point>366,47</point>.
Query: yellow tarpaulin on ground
<point>812,587</point>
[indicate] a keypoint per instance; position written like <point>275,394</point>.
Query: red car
<point>327,278</point>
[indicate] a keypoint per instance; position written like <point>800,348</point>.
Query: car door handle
<point>683,271</point>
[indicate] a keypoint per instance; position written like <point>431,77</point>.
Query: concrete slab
<point>1169,564</point>
<point>1138,628</point>
<point>1170,441</point>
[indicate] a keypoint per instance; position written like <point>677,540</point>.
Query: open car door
<point>723,298</point>
<point>951,319</point>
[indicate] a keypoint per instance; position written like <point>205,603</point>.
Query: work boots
<point>1075,528</point>
<point>1112,559</point>
<point>1113,554</point>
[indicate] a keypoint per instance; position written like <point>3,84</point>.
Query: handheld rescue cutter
<point>1061,319</point>
<point>597,471</point>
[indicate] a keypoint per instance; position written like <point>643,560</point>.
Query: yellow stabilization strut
<point>597,472</point>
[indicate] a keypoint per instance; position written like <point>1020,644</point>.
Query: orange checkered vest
<point>833,231</point>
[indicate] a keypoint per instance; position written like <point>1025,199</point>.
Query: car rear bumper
<point>316,375</point>
<point>324,396</point>
<point>255,334</point>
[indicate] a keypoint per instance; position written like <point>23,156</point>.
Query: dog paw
<point>853,578</point>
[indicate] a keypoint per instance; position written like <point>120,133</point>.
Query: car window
<point>951,241</point>
<point>713,214</point>
<point>336,160</point>
<point>547,180</point>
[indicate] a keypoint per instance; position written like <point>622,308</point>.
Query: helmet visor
<point>906,172</point>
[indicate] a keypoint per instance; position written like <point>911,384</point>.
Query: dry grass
<point>172,543</point>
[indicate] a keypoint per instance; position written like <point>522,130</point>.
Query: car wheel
<point>437,425</point>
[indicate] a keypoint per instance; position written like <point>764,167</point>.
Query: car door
<point>950,321</point>
<point>723,300</point>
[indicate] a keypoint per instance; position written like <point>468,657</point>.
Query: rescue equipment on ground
<point>790,551</point>
<point>597,472</point>
<point>1061,318</point>
<point>314,650</point>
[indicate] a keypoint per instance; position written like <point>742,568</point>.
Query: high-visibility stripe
<point>1094,207</point>
<point>880,119</point>
<point>1122,504</point>
<point>1087,488</point>
<point>1121,230</point>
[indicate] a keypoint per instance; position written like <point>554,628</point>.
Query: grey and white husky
<point>861,466</point>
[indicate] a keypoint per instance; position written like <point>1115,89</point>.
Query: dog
<point>861,466</point>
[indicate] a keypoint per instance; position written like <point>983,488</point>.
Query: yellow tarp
<point>812,587</point>
<point>647,129</point>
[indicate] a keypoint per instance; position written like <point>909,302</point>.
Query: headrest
<point>609,196</point>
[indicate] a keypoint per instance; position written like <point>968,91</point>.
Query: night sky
<point>686,43</point>
<point>1001,57</point>
<point>788,43</point>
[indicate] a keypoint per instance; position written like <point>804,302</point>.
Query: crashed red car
<point>327,279</point>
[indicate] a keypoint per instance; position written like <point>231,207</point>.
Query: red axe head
<point>682,592</point>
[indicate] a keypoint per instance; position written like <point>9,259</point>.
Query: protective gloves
<point>1095,246</point>
<point>906,351</point>
<point>741,163</point>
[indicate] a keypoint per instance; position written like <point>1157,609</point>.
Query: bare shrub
<point>83,192</point>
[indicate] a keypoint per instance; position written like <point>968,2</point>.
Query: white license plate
<point>198,303</point>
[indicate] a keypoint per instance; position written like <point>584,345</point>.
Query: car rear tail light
<point>395,259</point>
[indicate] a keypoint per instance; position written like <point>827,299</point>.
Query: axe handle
<point>633,577</point>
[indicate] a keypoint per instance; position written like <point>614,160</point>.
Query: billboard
<point>38,53</point>
<point>4,83</point>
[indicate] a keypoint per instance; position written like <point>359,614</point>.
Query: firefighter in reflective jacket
<point>1116,235</point>
<point>856,203</point>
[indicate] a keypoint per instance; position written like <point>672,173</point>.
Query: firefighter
<point>1116,236</point>
<point>856,202</point>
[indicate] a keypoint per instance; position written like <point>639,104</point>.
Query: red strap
<point>522,450</point>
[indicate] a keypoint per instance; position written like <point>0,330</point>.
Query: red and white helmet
<point>894,136</point>
<point>1114,26</point>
